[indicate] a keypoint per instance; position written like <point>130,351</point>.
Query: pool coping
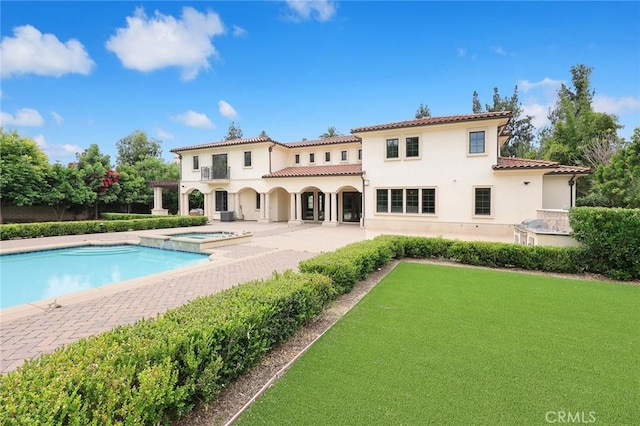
<point>43,305</point>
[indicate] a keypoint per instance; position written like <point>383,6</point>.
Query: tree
<point>133,187</point>
<point>423,111</point>
<point>263,134</point>
<point>23,168</point>
<point>520,127</point>
<point>331,132</point>
<point>234,132</point>
<point>574,126</point>
<point>99,176</point>
<point>618,183</point>
<point>66,188</point>
<point>136,147</point>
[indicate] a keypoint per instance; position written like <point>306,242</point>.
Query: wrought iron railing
<point>214,173</point>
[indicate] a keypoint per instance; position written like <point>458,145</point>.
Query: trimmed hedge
<point>157,369</point>
<point>352,263</point>
<point>611,237</point>
<point>52,229</point>
<point>126,216</point>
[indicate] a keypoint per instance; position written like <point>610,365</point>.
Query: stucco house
<point>436,174</point>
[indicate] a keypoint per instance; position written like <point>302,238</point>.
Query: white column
<point>334,207</point>
<point>330,215</point>
<point>157,202</point>
<point>295,213</point>
<point>262,215</point>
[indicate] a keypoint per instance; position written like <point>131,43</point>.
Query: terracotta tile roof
<point>259,139</point>
<point>511,163</point>
<point>309,171</point>
<point>434,120</point>
<point>325,141</point>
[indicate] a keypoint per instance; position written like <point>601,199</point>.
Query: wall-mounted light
<point>526,182</point>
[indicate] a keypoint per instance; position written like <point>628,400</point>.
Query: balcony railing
<point>215,173</point>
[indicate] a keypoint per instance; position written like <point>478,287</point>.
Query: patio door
<point>351,206</point>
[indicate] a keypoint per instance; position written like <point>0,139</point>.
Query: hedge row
<point>126,216</point>
<point>51,229</point>
<point>157,369</point>
<point>348,265</point>
<point>611,238</point>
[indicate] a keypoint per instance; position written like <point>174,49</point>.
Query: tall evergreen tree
<point>423,111</point>
<point>234,132</point>
<point>520,126</point>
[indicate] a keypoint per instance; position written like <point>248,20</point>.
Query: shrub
<point>148,372</point>
<point>50,229</point>
<point>351,263</point>
<point>611,237</point>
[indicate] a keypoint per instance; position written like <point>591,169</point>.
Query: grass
<point>450,345</point>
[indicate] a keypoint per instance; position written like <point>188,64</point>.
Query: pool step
<point>100,251</point>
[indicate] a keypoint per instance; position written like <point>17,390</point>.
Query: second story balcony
<point>215,174</point>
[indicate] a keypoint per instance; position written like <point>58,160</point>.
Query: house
<point>438,174</point>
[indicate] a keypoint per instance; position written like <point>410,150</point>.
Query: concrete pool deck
<point>27,331</point>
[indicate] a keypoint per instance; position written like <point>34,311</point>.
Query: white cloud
<point>57,151</point>
<point>499,50</point>
<point>461,52</point>
<point>25,117</point>
<point>194,119</point>
<point>226,110</point>
<point>57,117</point>
<point>150,43</point>
<point>538,111</point>
<point>239,31</point>
<point>547,83</point>
<point>31,52</point>
<point>617,106</point>
<point>304,10</point>
<point>163,134</point>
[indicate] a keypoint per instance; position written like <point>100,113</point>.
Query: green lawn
<point>451,345</point>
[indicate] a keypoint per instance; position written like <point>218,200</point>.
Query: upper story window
<point>327,157</point>
<point>312,158</point>
<point>247,158</point>
<point>297,159</point>
<point>393,148</point>
<point>476,142</point>
<point>360,154</point>
<point>196,162</point>
<point>343,155</point>
<point>412,147</point>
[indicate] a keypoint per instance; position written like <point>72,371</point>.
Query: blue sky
<point>77,73</point>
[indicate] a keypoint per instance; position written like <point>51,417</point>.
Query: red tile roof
<point>511,163</point>
<point>309,171</point>
<point>325,141</point>
<point>259,139</point>
<point>434,120</point>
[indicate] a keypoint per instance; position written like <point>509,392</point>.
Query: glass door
<point>351,206</point>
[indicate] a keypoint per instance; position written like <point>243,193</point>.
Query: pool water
<point>28,277</point>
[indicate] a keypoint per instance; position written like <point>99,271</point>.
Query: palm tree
<point>331,132</point>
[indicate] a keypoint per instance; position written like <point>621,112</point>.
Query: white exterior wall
<point>445,164</point>
<point>557,193</point>
<point>320,150</point>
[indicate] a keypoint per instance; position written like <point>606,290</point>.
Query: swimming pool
<point>32,276</point>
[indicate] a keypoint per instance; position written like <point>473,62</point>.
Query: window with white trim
<point>482,201</point>
<point>247,159</point>
<point>476,142</point>
<point>393,148</point>
<point>312,158</point>
<point>343,155</point>
<point>360,154</point>
<point>406,200</point>
<point>327,157</point>
<point>412,147</point>
<point>297,159</point>
<point>258,200</point>
<point>196,162</point>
